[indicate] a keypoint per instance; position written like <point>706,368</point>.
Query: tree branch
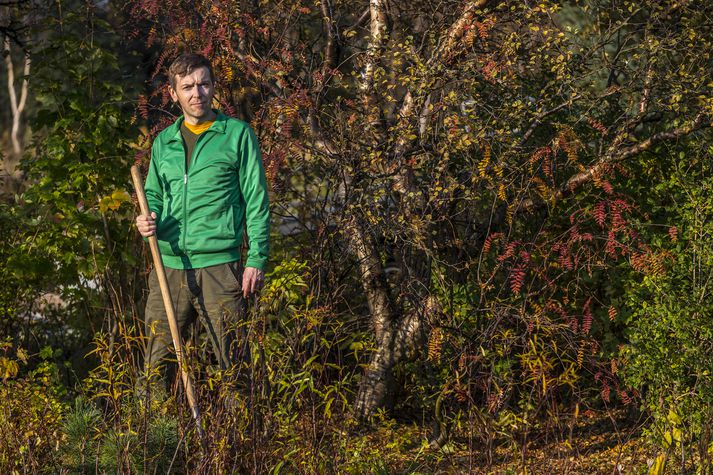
<point>538,120</point>
<point>449,49</point>
<point>360,21</point>
<point>16,107</point>
<point>578,180</point>
<point>377,41</point>
<point>331,52</point>
<point>446,52</point>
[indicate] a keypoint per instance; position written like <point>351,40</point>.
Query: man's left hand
<point>252,281</point>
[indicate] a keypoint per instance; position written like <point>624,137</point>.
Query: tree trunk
<point>381,307</point>
<point>398,336</point>
<point>399,343</point>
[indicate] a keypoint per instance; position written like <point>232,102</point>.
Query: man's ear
<point>174,96</point>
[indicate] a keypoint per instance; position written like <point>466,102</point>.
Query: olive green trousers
<point>212,295</point>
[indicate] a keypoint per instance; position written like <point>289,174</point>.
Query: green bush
<point>670,317</point>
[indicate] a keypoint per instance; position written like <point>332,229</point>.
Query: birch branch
<point>16,107</point>
<point>377,40</point>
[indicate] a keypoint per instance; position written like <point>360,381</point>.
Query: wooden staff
<point>168,303</point>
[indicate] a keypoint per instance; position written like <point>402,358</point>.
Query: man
<point>205,182</point>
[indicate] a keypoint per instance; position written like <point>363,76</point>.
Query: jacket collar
<point>219,124</point>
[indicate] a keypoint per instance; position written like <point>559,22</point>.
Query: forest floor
<point>604,442</point>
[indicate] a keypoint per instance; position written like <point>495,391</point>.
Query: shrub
<point>31,413</point>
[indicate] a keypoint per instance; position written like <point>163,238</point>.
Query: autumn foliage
<point>489,220</point>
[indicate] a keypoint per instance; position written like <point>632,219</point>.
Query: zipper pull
<point>185,178</point>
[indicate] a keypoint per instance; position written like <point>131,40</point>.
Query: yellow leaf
<point>658,466</point>
<point>8,368</point>
<point>104,204</point>
<point>673,418</point>
<point>501,192</point>
<point>121,196</point>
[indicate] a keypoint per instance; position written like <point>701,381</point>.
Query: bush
<point>670,327</point>
<point>31,414</point>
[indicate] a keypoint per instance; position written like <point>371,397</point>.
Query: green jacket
<point>201,211</point>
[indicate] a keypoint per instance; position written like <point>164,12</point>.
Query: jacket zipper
<point>185,188</point>
<point>185,204</point>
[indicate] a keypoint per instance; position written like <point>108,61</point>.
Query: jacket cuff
<point>256,263</point>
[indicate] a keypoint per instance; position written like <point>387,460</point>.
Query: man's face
<point>194,93</point>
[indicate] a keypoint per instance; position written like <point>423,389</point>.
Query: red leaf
<point>673,233</point>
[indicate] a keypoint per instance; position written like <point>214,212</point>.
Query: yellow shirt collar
<point>199,128</point>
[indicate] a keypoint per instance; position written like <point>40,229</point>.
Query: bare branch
<point>362,19</point>
<point>646,95</point>
<point>376,43</point>
<point>7,52</point>
<point>697,124</point>
<point>538,120</point>
<point>446,52</point>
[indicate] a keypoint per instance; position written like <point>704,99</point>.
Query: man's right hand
<point>146,224</point>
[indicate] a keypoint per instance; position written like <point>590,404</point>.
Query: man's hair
<point>187,63</point>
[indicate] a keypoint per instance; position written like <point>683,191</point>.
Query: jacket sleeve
<point>253,186</point>
<point>153,186</point>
